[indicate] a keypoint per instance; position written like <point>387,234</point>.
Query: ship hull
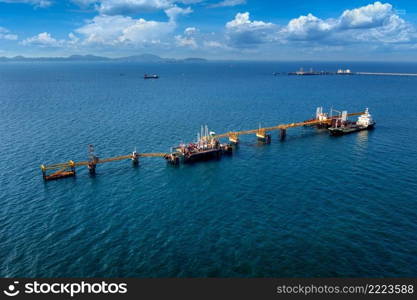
<point>59,175</point>
<point>342,131</point>
<point>203,155</point>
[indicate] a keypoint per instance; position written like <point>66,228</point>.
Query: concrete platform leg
<point>92,168</point>
<point>135,158</point>
<point>282,134</point>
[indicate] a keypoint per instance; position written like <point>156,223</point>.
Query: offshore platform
<point>208,146</point>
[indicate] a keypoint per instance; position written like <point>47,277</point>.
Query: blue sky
<point>217,29</point>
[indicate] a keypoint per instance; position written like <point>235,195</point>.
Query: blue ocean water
<point>313,205</point>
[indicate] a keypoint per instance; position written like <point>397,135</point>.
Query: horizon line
<point>203,58</point>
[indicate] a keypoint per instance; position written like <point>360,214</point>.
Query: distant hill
<point>85,58</point>
<point>194,59</point>
<point>141,58</point>
<point>134,58</point>
<point>69,58</point>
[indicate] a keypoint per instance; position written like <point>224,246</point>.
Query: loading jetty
<point>311,72</point>
<point>207,146</point>
<point>386,74</point>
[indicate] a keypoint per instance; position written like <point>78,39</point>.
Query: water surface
<point>313,205</point>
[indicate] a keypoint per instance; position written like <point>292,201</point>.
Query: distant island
<point>134,58</point>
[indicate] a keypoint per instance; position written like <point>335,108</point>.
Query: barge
<point>64,171</point>
<point>207,147</point>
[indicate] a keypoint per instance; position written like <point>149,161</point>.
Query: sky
<point>214,29</point>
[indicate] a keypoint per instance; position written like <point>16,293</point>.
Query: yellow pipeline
<point>233,136</point>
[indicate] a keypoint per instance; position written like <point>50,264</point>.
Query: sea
<point>312,205</point>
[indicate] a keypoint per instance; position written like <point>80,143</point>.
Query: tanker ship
<point>342,125</point>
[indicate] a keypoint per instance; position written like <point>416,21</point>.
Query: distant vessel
<point>150,76</point>
<point>344,72</point>
<point>342,126</point>
<point>301,72</point>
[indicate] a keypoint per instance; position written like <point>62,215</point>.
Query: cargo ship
<point>301,72</point>
<point>342,125</point>
<point>150,76</point>
<point>207,147</point>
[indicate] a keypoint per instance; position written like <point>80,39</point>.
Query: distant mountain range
<point>134,58</point>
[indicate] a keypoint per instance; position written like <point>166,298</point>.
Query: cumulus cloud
<point>375,22</point>
<point>175,11</point>
<point>130,7</point>
<point>113,7</point>
<point>188,38</point>
<point>374,25</point>
<point>372,15</point>
<point>112,30</point>
<point>228,3</point>
<point>6,35</point>
<point>307,27</point>
<point>36,3</point>
<point>242,32</point>
<point>116,30</point>
<point>190,31</point>
<point>43,39</point>
<point>216,45</point>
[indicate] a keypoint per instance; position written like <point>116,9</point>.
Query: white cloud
<point>84,3</point>
<point>130,7</point>
<point>36,3</point>
<point>226,3</point>
<point>175,11</point>
<point>375,25</point>
<point>214,45</point>
<point>72,39</point>
<point>242,22</point>
<point>116,30</point>
<point>188,38</point>
<point>190,31</point>
<point>307,27</point>
<point>43,39</point>
<point>396,30</point>
<point>375,22</point>
<point>186,41</point>
<point>372,15</point>
<point>243,32</point>
<point>6,35</point>
<point>113,7</point>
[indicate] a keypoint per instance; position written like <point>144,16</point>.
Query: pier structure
<point>68,169</point>
<point>301,72</point>
<point>262,135</point>
<point>386,74</point>
<point>233,137</point>
<point>321,119</point>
